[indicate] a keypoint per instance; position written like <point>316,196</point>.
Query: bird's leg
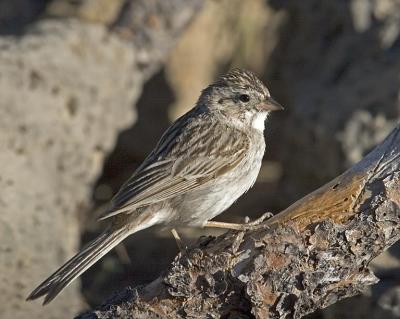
<point>224,225</point>
<point>123,255</point>
<point>235,226</point>
<point>179,242</point>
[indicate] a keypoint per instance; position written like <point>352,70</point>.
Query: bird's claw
<point>248,224</point>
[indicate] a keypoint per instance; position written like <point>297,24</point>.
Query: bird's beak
<point>269,104</point>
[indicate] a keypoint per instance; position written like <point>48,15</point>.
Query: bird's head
<point>239,92</point>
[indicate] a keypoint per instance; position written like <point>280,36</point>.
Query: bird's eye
<point>244,98</point>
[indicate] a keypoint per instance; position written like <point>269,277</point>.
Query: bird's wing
<point>183,160</point>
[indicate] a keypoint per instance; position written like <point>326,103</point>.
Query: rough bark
<point>309,256</point>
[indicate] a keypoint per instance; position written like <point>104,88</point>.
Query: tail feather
<point>78,264</point>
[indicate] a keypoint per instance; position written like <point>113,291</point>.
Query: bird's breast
<point>201,205</point>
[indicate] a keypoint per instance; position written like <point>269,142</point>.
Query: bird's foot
<point>259,220</point>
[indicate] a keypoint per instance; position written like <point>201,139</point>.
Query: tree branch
<point>309,256</point>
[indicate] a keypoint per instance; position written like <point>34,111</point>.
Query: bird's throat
<point>258,121</point>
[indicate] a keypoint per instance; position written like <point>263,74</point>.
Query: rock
<point>64,98</point>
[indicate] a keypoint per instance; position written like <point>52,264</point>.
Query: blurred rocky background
<point>88,86</point>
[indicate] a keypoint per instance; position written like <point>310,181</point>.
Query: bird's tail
<point>78,264</point>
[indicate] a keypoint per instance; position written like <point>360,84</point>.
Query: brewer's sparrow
<point>203,163</point>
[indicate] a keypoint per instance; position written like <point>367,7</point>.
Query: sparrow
<point>202,164</point>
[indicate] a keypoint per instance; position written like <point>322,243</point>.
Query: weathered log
<point>309,256</point>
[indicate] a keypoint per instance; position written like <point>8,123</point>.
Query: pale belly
<point>197,207</point>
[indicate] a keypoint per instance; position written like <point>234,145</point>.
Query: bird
<point>202,164</point>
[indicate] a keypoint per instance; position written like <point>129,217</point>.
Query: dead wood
<point>309,256</point>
